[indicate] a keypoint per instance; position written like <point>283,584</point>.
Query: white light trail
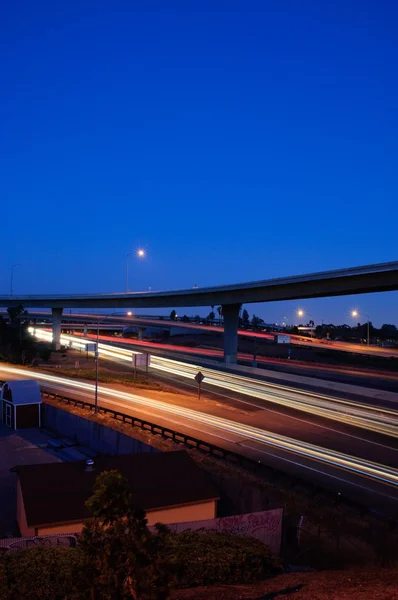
<point>372,418</point>
<point>361,467</point>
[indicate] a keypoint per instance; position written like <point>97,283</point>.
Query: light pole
<point>97,361</point>
<point>300,313</point>
<point>355,314</point>
<point>127,272</point>
<point>12,277</point>
<point>141,254</point>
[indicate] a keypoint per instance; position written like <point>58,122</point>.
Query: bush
<point>215,558</point>
<point>3,580</point>
<point>52,573</point>
<point>43,572</point>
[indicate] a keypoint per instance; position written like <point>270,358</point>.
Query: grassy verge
<point>140,380</point>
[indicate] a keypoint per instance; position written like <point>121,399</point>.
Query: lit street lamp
<point>300,313</point>
<point>12,277</point>
<point>355,314</point>
<point>141,254</point>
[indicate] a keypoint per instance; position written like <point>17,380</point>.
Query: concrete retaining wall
<point>90,434</point>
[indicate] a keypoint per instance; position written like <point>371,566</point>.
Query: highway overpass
<point>358,280</point>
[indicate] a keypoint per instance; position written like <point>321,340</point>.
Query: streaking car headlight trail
<point>372,418</point>
<point>361,467</point>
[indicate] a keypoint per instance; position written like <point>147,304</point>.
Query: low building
<point>20,404</point>
<point>170,486</point>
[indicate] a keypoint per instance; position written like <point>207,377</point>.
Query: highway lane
<point>383,380</point>
<point>307,380</point>
<point>280,409</point>
<point>355,376</point>
<point>133,320</point>
<point>373,480</point>
<point>371,417</point>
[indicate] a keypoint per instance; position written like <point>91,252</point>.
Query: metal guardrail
<point>253,466</point>
<point>166,432</point>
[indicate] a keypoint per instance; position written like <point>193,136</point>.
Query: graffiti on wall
<point>68,541</point>
<point>265,526</point>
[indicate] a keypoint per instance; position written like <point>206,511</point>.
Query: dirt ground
<point>327,585</point>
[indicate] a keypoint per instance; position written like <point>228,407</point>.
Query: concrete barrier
<point>95,436</point>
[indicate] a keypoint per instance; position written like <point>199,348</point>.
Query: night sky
<point>232,140</point>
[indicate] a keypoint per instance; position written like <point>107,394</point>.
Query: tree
<point>185,319</point>
<point>245,318</point>
<point>16,313</point>
<point>173,315</point>
<point>211,316</point>
<point>388,331</point>
<point>219,310</point>
<point>256,321</point>
<point>16,345</point>
<point>121,558</point>
<point>389,328</point>
<point>319,331</point>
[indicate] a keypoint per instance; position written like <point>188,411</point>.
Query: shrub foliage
<point>118,557</point>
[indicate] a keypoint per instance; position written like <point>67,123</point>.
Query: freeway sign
<point>199,377</point>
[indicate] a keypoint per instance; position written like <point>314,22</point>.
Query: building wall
<point>21,516</point>
<point>51,530</point>
<point>91,434</point>
<point>4,404</point>
<point>28,416</point>
<point>179,514</point>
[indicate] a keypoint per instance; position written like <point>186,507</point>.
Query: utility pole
<point>12,278</point>
<point>127,272</point>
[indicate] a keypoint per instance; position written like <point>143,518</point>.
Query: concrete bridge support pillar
<point>57,318</point>
<point>141,331</point>
<point>231,319</point>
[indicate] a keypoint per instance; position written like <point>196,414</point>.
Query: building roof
<point>24,391</point>
<point>56,493</point>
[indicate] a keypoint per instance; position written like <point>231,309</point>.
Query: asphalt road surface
<point>318,450</point>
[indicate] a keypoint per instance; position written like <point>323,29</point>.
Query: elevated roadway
<point>358,280</point>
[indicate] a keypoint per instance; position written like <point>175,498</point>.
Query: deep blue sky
<point>233,140</point>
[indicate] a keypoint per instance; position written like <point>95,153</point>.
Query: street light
<point>141,254</point>
<point>355,314</point>
<point>300,313</point>
<point>97,361</point>
<point>12,277</point>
